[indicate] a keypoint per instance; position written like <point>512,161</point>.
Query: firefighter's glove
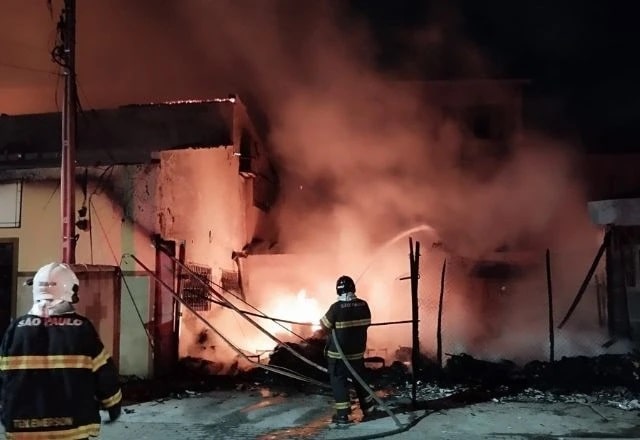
<point>114,412</point>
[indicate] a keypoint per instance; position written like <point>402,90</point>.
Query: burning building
<point>192,183</point>
<point>452,157</point>
<point>188,179</point>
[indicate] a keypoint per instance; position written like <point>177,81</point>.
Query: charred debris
<point>607,379</point>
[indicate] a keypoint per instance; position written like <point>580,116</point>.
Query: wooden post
<point>440,303</point>
<point>585,283</point>
<point>414,264</point>
<point>550,297</point>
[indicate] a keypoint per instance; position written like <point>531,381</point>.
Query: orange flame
<point>297,308</point>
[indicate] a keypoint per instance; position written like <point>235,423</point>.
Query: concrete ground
<point>263,415</point>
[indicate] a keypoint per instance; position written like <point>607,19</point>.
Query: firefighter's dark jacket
<point>350,319</point>
<point>56,376</point>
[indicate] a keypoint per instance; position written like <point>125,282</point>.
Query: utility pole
<point>68,167</point>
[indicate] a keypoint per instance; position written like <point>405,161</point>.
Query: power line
<point>27,68</point>
<point>32,47</point>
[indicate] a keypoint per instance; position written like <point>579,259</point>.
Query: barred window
<point>192,290</point>
<point>230,280</point>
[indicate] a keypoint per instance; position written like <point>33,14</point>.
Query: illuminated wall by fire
<point>40,237</point>
<point>465,168</point>
<point>202,201</point>
<point>119,213</point>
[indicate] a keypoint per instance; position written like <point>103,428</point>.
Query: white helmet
<point>55,282</point>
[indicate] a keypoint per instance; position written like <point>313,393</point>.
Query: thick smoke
<point>362,157</point>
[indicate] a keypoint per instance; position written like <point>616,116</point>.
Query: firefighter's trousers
<point>338,378</point>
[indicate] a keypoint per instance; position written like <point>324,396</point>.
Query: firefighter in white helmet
<point>56,374</point>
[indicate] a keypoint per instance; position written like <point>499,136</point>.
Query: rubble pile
<point>312,349</point>
<point>464,369</point>
<point>428,391</point>
<point>587,373</point>
<point>612,380</point>
<point>570,374</point>
<point>192,375</point>
<point>618,397</point>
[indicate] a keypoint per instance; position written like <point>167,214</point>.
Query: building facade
<point>190,179</point>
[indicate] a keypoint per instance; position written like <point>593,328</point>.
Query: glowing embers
<point>196,101</point>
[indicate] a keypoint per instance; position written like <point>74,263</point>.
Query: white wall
<point>135,351</point>
<point>203,201</point>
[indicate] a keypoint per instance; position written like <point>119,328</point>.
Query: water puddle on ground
<point>308,430</point>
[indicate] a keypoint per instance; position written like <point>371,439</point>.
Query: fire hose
<point>276,369</point>
<point>236,309</point>
<point>362,383</point>
<point>271,368</point>
<point>355,375</point>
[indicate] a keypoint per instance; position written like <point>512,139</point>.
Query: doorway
<point>164,329</point>
<point>8,277</point>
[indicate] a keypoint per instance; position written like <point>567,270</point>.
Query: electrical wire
<point>286,321</point>
<point>96,190</point>
<point>135,306</point>
<point>260,314</point>
<point>225,302</point>
<point>57,52</point>
<point>279,370</point>
<point>86,113</point>
<point>124,279</point>
<point>90,233</point>
<point>27,68</point>
<point>233,306</point>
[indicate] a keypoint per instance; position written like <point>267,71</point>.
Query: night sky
<point>581,57</point>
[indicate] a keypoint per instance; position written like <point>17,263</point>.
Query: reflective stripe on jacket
<point>350,319</point>
<point>56,375</point>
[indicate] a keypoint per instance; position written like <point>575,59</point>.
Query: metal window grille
<point>230,280</point>
<point>192,291</point>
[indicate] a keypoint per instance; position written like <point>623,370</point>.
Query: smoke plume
<point>362,157</point>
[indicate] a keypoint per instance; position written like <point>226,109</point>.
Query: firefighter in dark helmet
<point>56,374</point>
<point>350,317</point>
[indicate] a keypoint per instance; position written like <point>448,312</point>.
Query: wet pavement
<point>266,415</point>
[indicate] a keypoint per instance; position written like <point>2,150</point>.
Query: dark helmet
<point>345,285</point>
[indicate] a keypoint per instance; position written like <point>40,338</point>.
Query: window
<point>11,202</point>
<point>193,291</point>
<point>230,280</point>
